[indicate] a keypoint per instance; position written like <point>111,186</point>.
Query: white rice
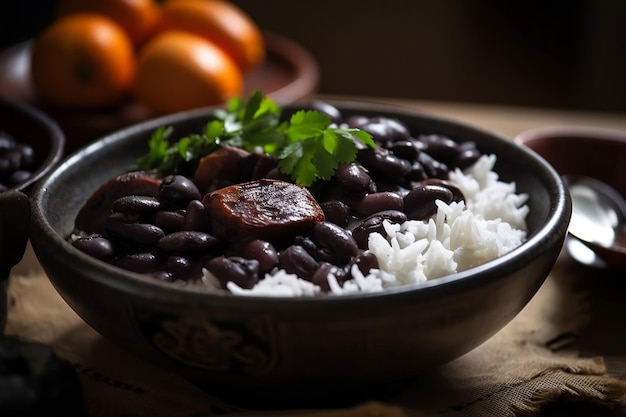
<point>490,223</point>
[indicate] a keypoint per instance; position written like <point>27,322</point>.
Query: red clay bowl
<point>318,345</point>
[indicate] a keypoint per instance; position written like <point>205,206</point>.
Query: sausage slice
<point>267,209</point>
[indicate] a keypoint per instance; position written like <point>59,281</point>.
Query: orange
<point>179,71</point>
<point>82,60</point>
<point>221,22</point>
<point>139,18</point>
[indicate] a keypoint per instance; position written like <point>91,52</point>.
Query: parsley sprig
<point>308,146</point>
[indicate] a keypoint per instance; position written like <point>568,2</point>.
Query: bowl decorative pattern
<point>341,340</point>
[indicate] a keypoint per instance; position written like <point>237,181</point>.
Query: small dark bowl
<point>586,151</point>
<point>30,126</point>
<point>324,342</point>
<point>581,150</point>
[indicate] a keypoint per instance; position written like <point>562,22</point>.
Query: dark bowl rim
<point>57,142</point>
<point>558,132</point>
<point>552,232</point>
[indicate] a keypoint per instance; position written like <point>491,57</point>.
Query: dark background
<point>564,53</point>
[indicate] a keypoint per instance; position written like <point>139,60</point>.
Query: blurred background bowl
<point>29,126</point>
<point>288,74</point>
<point>309,346</point>
<point>581,150</point>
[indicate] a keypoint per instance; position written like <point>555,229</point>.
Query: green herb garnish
<point>308,147</point>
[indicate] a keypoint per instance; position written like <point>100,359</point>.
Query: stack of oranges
<point>170,56</point>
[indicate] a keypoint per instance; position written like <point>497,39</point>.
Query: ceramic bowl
<point>324,342</point>
<point>27,125</point>
<point>587,151</point>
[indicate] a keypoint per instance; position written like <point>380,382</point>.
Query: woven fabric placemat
<point>530,363</point>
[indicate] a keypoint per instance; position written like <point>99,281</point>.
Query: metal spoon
<point>597,227</point>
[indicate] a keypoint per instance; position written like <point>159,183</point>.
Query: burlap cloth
<point>534,361</point>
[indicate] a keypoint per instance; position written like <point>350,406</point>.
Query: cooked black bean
<point>196,217</point>
<point>261,250</point>
<point>9,162</point>
<point>188,241</point>
<point>179,266</point>
<point>241,271</point>
<point>374,223</point>
<point>136,204</point>
<point>440,147</point>
<point>320,278</point>
<point>337,240</point>
<point>296,260</point>
<point>417,173</point>
<point>382,129</point>
<point>179,189</point>
<point>263,166</point>
<point>468,154</point>
<point>457,194</point>
<point>433,167</point>
<point>353,177</point>
<point>375,202</point>
<point>384,163</point>
<point>27,153</point>
<point>365,262</point>
<point>169,221</point>
<point>326,108</point>
<point>163,276</point>
<point>419,203</point>
<point>142,262</point>
<point>96,246</point>
<point>406,149</point>
<point>142,234</point>
<point>19,176</point>
<point>7,141</point>
<point>336,211</point>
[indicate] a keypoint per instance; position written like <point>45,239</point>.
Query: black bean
<point>19,176</point>
<point>325,108</point>
<point>468,154</point>
<point>365,262</point>
<point>96,246</point>
<point>263,166</point>
<point>261,250</point>
<point>419,203</point>
<point>10,162</point>
<point>179,266</point>
<point>383,162</point>
<point>136,204</point>
<point>179,189</point>
<point>440,147</point>
<point>241,271</point>
<point>433,167</point>
<point>163,276</point>
<point>353,177</point>
<point>169,221</point>
<point>296,260</point>
<point>336,211</point>
<point>188,241</point>
<point>375,202</point>
<point>457,194</point>
<point>405,149</point>
<point>196,217</point>
<point>339,242</point>
<point>320,278</point>
<point>142,234</point>
<point>142,262</point>
<point>383,129</point>
<point>7,141</point>
<point>374,223</point>
<point>27,160</point>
